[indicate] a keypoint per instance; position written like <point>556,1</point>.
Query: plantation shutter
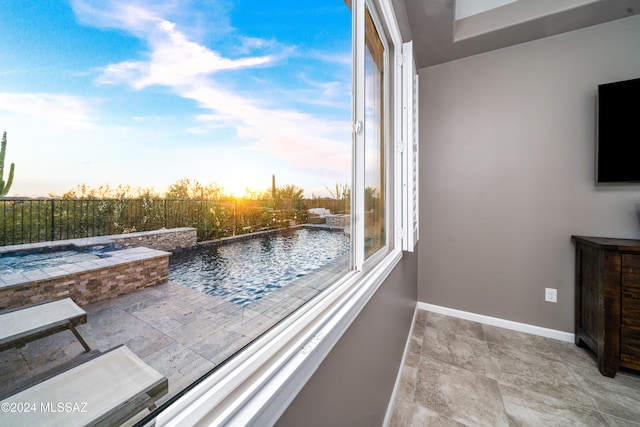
<point>410,194</point>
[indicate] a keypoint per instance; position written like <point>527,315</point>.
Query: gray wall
<point>506,163</point>
<point>353,385</point>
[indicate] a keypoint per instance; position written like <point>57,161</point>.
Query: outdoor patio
<point>180,332</point>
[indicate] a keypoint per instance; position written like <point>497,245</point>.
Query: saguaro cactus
<point>4,187</point>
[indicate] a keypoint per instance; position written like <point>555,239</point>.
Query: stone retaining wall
<point>87,282</point>
<point>338,220</point>
<point>163,240</point>
<point>143,260</point>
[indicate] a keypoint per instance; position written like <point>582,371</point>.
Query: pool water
<point>22,262</point>
<point>245,271</point>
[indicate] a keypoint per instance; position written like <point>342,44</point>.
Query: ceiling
<point>438,37</point>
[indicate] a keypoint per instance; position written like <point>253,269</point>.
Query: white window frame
<point>256,386</point>
<point>408,148</point>
<point>388,135</point>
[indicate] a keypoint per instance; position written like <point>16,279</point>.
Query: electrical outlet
<point>550,295</point>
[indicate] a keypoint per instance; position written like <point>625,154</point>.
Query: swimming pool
<point>245,271</point>
<point>21,261</point>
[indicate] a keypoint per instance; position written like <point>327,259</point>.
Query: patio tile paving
<point>13,366</point>
<point>173,358</point>
<point>194,332</point>
<point>179,331</point>
<point>220,345</point>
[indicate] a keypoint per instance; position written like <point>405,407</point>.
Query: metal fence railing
<point>24,220</point>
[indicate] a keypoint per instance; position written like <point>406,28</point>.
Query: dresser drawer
<point>630,315</point>
<point>631,271</point>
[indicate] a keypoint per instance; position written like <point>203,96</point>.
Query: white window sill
<point>256,386</point>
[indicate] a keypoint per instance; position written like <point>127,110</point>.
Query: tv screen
<point>618,139</point>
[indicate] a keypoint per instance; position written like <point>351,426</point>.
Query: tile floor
<point>462,373</point>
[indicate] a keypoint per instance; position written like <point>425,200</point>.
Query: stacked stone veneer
<point>87,282</point>
<point>143,261</point>
<point>164,240</point>
<point>338,220</point>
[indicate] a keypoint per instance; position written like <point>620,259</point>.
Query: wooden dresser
<point>607,296</point>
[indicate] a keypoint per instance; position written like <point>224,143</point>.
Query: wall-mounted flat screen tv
<point>618,132</point>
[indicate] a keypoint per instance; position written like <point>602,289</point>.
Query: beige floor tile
<point>526,408</point>
<point>478,375</point>
<point>458,350</point>
<point>459,394</point>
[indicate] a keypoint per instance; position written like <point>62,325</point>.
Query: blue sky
<point>146,92</point>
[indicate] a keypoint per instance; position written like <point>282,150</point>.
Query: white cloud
<point>59,109</point>
<point>338,59</point>
<point>307,141</point>
<point>248,44</point>
<point>174,60</point>
<point>188,68</point>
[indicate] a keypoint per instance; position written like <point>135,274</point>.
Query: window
<point>204,100</point>
<point>374,153</point>
<point>136,90</point>
<point>257,386</point>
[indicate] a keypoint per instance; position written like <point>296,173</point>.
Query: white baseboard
<point>501,323</point>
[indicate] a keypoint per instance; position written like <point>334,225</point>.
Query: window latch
<point>357,127</point>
